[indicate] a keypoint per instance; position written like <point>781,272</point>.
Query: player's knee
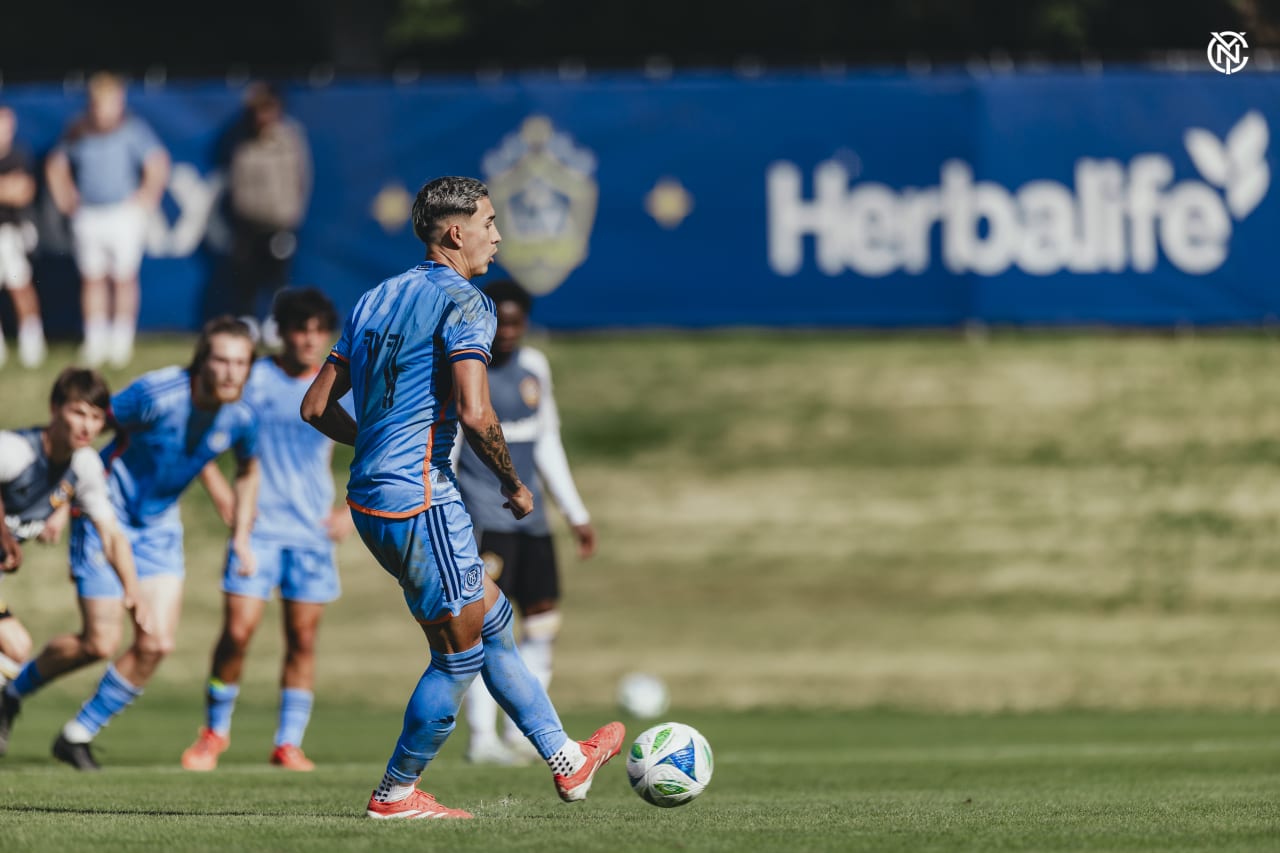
<point>300,644</point>
<point>100,645</point>
<point>154,647</point>
<point>17,644</point>
<point>236,638</point>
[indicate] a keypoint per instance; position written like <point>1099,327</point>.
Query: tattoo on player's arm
<point>492,448</point>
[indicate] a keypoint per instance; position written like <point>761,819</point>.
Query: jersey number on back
<point>388,345</point>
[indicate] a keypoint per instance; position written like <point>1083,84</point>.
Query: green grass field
<point>920,593</point>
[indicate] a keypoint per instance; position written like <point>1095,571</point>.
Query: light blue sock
<point>432,712</point>
<point>219,705</point>
<point>113,696</point>
<point>517,690</point>
<point>29,680</point>
<point>295,713</point>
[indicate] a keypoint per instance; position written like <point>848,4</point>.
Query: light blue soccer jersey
<point>297,483</point>
<point>399,344</point>
<point>108,166</point>
<point>164,443</point>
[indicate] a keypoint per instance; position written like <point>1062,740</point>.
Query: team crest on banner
<point>544,190</point>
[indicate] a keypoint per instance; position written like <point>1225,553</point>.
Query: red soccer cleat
<point>416,806</point>
<point>203,754</point>
<point>291,757</point>
<point>598,749</point>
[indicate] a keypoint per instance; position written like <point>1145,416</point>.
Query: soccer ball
<point>669,765</point>
<point>643,695</point>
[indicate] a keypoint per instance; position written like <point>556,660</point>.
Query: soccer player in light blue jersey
<point>414,353</point>
<point>292,539</point>
<point>170,424</point>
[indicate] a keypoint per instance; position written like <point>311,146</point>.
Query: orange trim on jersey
<point>470,351</point>
<point>333,353</point>
<point>383,513</point>
<point>426,466</point>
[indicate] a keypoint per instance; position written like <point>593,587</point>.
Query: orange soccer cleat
<point>416,806</point>
<point>291,757</point>
<point>598,749</point>
<point>203,754</point>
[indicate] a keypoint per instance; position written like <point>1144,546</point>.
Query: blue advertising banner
<point>885,200</point>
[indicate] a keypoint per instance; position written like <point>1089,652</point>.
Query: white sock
<point>74,732</point>
<point>568,758</point>
<point>537,642</point>
<point>482,714</point>
<point>392,790</point>
<point>96,340</point>
<point>121,343</point>
<point>31,329</point>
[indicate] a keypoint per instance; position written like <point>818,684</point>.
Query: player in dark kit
<point>43,469</point>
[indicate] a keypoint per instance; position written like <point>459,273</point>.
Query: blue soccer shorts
<point>432,554</point>
<point>157,551</point>
<point>308,575</point>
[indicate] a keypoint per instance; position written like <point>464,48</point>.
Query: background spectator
<point>108,174</point>
<point>17,239</point>
<point>269,184</point>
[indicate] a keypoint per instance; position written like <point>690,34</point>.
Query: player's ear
<point>452,236</point>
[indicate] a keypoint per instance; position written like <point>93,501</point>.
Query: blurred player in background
<point>292,539</point>
<point>269,175</point>
<point>414,352</point>
<point>172,422</point>
<point>43,469</point>
<point>17,239</point>
<point>108,175</point>
<point>519,553</point>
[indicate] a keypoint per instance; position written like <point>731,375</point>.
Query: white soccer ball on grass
<point>669,765</point>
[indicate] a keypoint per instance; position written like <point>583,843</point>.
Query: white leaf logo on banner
<point>1240,166</point>
<point>1208,155</point>
<point>1250,174</point>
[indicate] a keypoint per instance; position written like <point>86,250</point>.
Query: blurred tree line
<point>50,39</point>
<point>797,32</point>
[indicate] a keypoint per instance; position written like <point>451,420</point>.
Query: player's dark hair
<point>507,290</point>
<point>294,307</point>
<point>80,383</point>
<point>224,325</point>
<point>442,198</point>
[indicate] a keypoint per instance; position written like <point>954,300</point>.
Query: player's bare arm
<point>248,477</point>
<point>116,548</point>
<point>320,407</point>
<point>55,524</point>
<point>484,432</point>
<point>220,492</point>
<point>62,187</point>
<point>155,177</point>
<point>12,552</point>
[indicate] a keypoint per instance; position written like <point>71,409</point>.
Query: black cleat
<point>9,708</point>
<point>78,755</point>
